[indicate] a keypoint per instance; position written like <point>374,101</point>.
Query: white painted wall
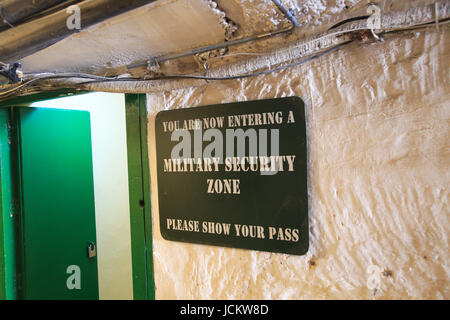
<point>378,120</point>
<point>110,164</point>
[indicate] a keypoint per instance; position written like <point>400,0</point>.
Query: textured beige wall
<point>378,118</point>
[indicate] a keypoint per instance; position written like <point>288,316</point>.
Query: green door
<point>59,235</point>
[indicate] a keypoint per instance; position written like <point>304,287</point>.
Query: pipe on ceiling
<point>28,38</point>
<point>286,12</point>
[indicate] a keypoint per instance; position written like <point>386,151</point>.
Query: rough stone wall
<point>378,138</point>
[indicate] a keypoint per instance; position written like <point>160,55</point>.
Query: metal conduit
<point>284,10</point>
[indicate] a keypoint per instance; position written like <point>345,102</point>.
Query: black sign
<point>235,175</point>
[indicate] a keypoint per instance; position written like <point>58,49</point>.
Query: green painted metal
<point>3,124</point>
<point>57,203</point>
<point>9,267</point>
<point>139,192</point>
<point>146,194</point>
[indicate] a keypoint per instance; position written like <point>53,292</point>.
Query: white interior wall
<point>378,139</point>
<point>110,165</point>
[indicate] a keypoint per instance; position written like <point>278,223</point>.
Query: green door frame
<point>10,240</point>
<point>139,189</point>
<point>3,140</point>
<point>139,195</point>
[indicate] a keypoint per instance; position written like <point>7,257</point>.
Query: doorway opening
<point>45,153</point>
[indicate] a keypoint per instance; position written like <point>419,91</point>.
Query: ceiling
<point>158,28</point>
<point>168,26</point>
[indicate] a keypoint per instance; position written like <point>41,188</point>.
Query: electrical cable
<point>171,77</point>
<point>99,79</point>
<point>241,76</point>
<point>48,76</point>
<point>265,72</point>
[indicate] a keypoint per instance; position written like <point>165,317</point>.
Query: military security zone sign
<point>235,175</point>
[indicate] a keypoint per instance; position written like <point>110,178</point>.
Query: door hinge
<point>15,207</point>
<point>11,132</point>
